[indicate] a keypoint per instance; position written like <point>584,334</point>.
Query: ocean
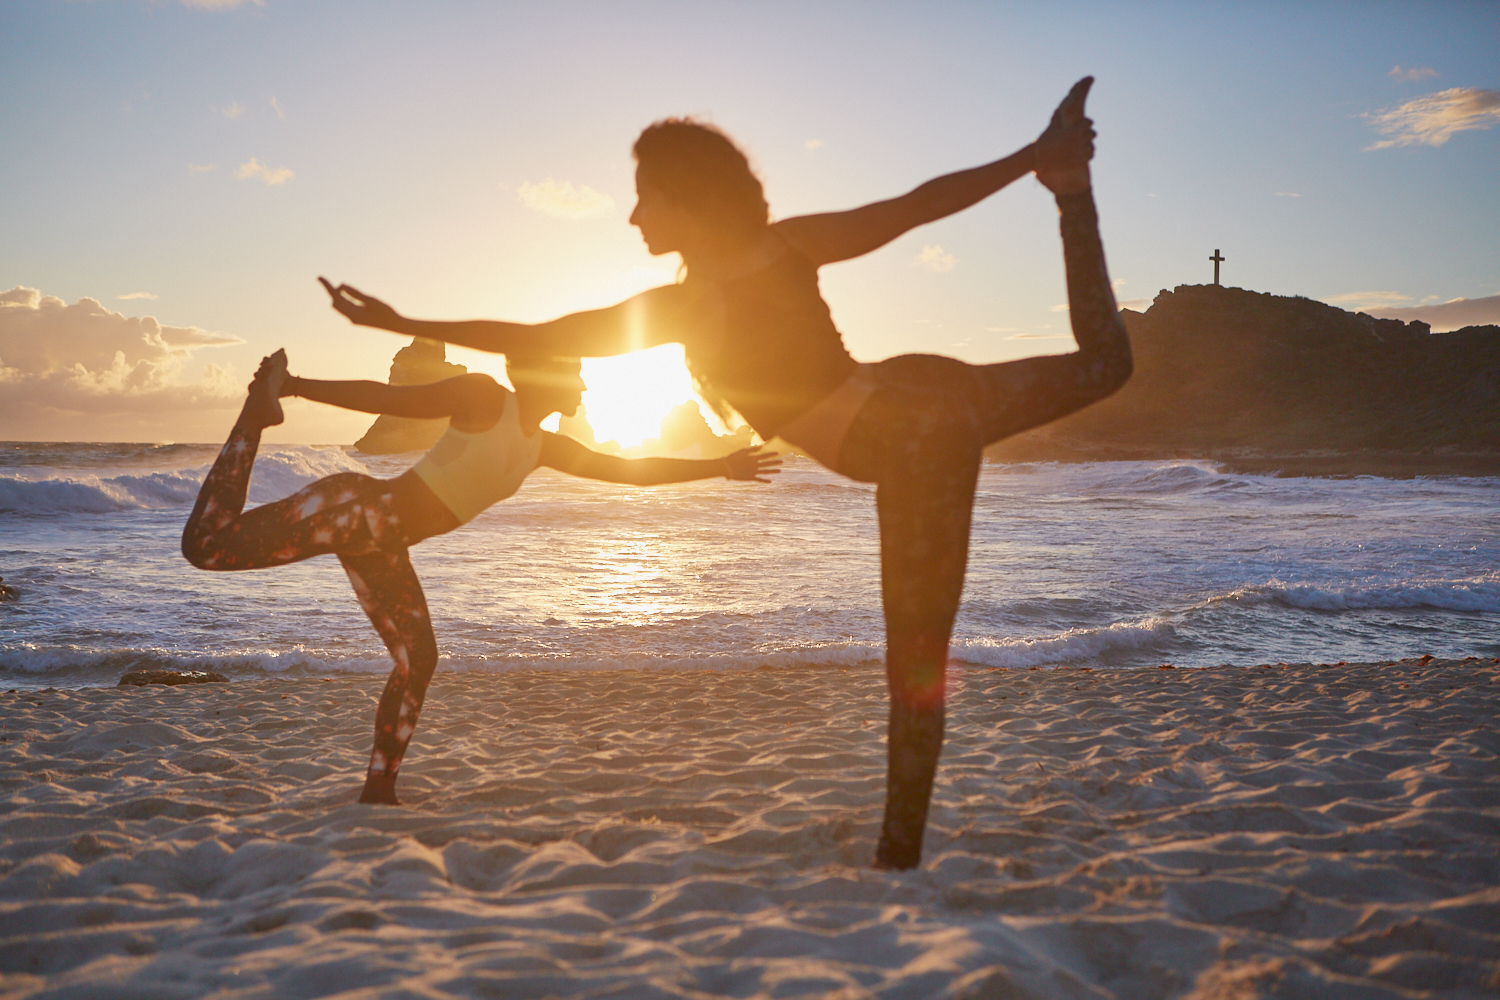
<point>1112,565</point>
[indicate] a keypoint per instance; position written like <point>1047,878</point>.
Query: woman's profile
<point>759,338</point>
<point>494,440</point>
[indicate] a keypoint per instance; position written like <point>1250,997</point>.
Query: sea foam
<point>62,491</point>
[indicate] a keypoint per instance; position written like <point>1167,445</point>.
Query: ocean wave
<point>1481,595</point>
<point>277,473</point>
<point>1069,647</point>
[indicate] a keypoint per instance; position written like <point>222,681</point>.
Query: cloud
<point>57,359</point>
<point>1431,120</point>
<point>1059,309</point>
<point>276,106</point>
<point>1412,74</point>
<point>1367,300</point>
<point>564,199</point>
<point>195,170</point>
<point>231,111</point>
<point>221,4</point>
<point>934,259</point>
<point>256,169</point>
<point>1447,315</point>
<point>1285,194</point>
<point>136,295</point>
<point>1136,305</point>
<point>1038,335</point>
<point>812,144</point>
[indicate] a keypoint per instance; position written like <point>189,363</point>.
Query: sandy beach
<point>1235,832</point>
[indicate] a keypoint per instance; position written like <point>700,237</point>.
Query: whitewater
<point>1107,565</point>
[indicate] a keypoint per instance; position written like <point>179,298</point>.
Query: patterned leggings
<point>920,438</point>
<point>349,515</point>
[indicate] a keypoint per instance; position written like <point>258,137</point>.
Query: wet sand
<point>1236,832</point>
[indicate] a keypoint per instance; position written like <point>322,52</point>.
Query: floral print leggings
<point>349,515</point>
<point>920,438</point>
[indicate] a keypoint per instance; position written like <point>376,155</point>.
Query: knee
<point>195,551</point>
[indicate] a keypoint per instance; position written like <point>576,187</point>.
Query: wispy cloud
<point>221,4</point>
<point>1136,305</point>
<point>255,170</point>
<point>1412,74</point>
<point>562,198</point>
<point>1285,194</point>
<point>935,259</point>
<point>812,144</point>
<point>1432,120</point>
<point>1447,315</point>
<point>276,107</point>
<point>232,110</point>
<point>195,169</point>
<point>136,295</point>
<point>1367,300</point>
<point>1059,309</point>
<point>84,358</point>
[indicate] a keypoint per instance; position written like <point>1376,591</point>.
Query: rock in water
<point>418,363</point>
<point>140,678</point>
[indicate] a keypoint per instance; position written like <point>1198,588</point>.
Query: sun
<point>629,395</point>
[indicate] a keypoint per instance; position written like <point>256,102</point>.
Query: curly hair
<point>695,165</point>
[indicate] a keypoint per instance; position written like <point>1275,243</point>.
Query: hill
<point>1264,383</point>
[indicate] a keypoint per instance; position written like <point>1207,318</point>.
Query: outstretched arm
<point>566,455</point>
<point>474,401</point>
<point>657,316</point>
<point>835,236</point>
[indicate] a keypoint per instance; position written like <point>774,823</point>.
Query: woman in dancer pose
<point>494,440</point>
<point>758,336</point>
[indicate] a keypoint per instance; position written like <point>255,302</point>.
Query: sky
<point>174,174</point>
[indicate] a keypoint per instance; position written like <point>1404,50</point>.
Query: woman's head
<point>697,169</point>
<point>554,384</point>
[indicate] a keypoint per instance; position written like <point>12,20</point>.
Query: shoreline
<point>1195,832</point>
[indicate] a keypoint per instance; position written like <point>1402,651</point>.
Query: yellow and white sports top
<point>468,472</point>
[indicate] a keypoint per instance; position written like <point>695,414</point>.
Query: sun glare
<point>629,395</point>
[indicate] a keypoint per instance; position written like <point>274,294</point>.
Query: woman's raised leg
<point>221,498</point>
<point>1014,396</point>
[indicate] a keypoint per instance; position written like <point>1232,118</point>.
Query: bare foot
<point>1063,151</point>
<point>263,407</point>
<point>380,790</point>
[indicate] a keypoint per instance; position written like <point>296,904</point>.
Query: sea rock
<point>140,678</point>
<point>418,363</point>
<point>1267,383</point>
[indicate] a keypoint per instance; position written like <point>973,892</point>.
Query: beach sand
<point>1236,832</point>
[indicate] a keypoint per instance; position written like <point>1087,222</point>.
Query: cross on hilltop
<point>1217,261</point>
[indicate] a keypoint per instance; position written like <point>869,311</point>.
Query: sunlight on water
<point>1124,564</point>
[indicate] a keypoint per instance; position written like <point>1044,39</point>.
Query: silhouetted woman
<point>492,443</point>
<point>758,336</point>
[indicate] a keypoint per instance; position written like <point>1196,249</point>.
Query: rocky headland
<point>417,363</point>
<point>1269,383</point>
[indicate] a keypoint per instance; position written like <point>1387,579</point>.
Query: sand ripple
<point>1220,834</point>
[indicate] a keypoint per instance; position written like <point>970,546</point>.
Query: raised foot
<point>1063,151</point>
<point>263,407</point>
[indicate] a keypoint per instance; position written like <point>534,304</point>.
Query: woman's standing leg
<point>391,594</point>
<point>917,439</point>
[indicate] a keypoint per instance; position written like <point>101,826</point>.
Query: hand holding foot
<point>263,407</point>
<point>1064,150</point>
